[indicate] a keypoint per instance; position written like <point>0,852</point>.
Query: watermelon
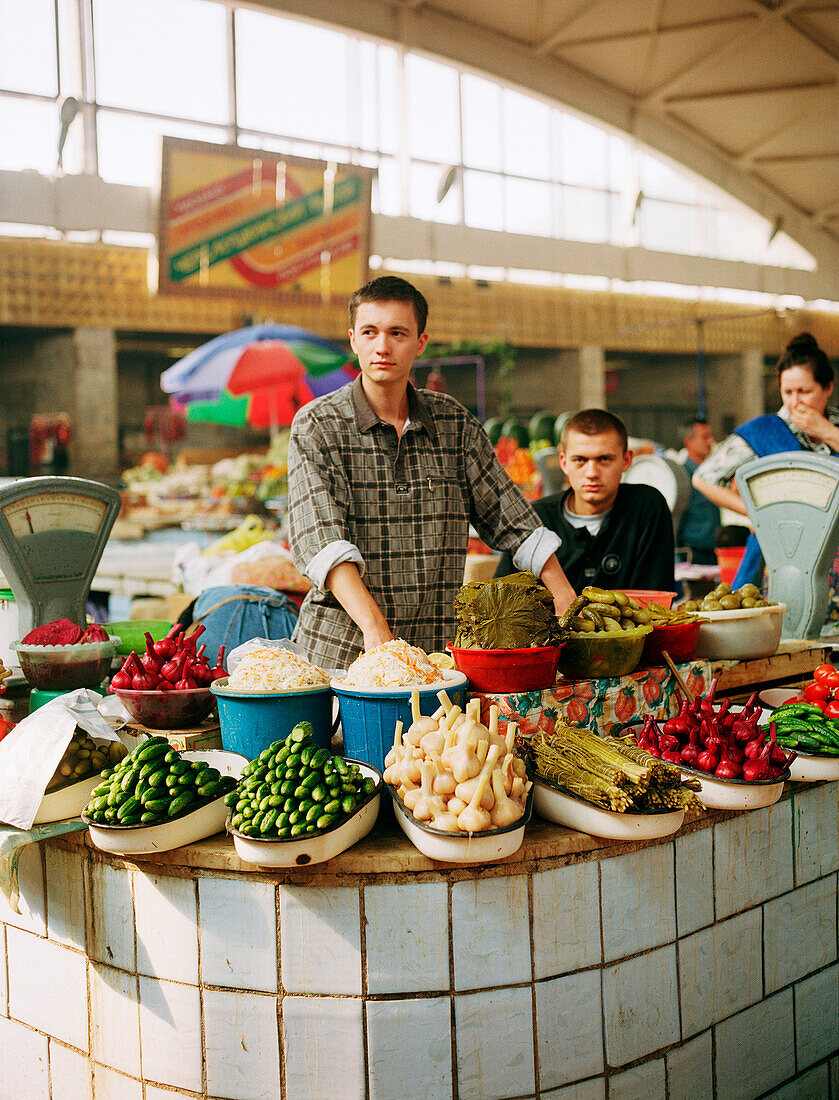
<point>493,428</point>
<point>514,429</point>
<point>541,426</point>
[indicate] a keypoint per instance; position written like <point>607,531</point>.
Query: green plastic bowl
<point>599,655</point>
<point>132,633</point>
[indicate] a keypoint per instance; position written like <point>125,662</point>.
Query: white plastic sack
<point>195,571</point>
<point>31,752</point>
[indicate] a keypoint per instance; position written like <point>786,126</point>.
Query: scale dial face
<point>55,512</point>
<point>796,487</point>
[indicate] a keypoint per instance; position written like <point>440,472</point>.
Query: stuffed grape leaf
<point>514,612</point>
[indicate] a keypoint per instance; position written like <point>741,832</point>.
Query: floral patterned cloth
<point>600,705</point>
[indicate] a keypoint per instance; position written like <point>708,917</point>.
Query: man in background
<point>613,535</point>
<point>701,518</point>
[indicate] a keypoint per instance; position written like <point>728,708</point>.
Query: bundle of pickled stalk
<point>610,773</point>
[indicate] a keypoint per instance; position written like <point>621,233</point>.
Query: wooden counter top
<point>386,852</point>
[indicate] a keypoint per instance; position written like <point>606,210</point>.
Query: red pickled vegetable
<point>94,633</point>
<point>219,669</point>
<point>672,756</point>
<point>728,769</point>
<point>689,754</point>
<point>754,748</point>
<point>707,761</point>
<point>150,660</point>
<point>172,669</point>
<point>121,681</point>
<point>144,681</point>
<point>58,632</point>
<point>167,647</point>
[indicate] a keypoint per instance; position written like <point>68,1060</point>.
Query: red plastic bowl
<point>505,670</point>
<point>679,639</point>
<point>167,710</point>
<point>650,595</point>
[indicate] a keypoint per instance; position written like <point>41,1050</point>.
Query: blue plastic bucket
<point>369,717</point>
<point>251,721</point>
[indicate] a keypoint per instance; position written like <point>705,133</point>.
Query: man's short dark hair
<point>595,422</point>
<point>688,426</point>
<point>390,288</point>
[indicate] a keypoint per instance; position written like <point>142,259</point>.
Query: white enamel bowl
<point>809,769</point>
<point>304,851</point>
<point>135,840</point>
<point>771,698</point>
<point>464,847</point>
<point>67,802</point>
<point>730,794</point>
<point>736,794</point>
<point>563,808</point>
<point>744,634</point>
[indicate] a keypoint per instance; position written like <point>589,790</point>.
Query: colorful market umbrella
<point>259,375</point>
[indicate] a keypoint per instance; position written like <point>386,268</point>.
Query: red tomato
<point>815,691</point>
<point>832,709</point>
<point>822,671</point>
<point>832,681</point>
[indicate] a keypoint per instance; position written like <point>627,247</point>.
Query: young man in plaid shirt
<point>384,482</point>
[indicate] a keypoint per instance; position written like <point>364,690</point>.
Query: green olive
<point>747,601</point>
<point>750,590</point>
<point>709,604</point>
<point>762,603</point>
<point>723,589</point>
<point>729,602</point>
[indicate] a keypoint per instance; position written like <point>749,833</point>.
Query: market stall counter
<point>700,965</point>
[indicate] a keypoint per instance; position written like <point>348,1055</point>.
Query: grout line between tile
<point>201,1014</point>
<point>362,946</point>
<point>280,992</point>
<point>678,958</point>
<point>452,1014</point>
<point>534,1017</point>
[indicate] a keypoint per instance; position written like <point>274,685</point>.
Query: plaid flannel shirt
<point>406,503</point>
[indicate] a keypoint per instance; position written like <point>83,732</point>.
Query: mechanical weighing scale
<point>52,534</point>
<point>793,503</point>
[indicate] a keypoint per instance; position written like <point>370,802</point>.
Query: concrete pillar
<point>95,450</point>
<point>592,375</point>
<point>735,389</point>
<point>566,381</point>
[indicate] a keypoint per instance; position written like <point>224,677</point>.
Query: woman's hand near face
<point>814,424</point>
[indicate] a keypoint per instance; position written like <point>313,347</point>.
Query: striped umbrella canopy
<point>260,375</point>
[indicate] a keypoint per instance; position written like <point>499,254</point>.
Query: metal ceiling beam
<point>660,32</point>
<point>826,105</point>
<point>558,33</point>
<point>765,20</point>
<point>442,35</point>
<point>734,93</point>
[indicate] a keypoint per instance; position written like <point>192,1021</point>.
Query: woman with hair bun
<point>806,421</point>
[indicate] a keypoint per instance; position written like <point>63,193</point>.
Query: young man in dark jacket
<point>612,535</point>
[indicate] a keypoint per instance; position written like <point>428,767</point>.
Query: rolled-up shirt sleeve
<point>334,554</point>
<point>535,551</point>
<point>318,502</point>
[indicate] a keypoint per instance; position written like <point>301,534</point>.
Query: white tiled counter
<point>704,966</point>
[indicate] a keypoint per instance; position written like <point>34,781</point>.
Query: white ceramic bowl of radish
<point>304,851</point>
<point>562,808</point>
<point>483,847</point>
<point>729,794</point>
<point>736,794</point>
